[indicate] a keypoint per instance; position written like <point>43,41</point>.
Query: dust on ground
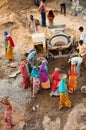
<point>48,106</point>
<point>16,23</point>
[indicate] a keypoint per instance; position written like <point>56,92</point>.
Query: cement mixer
<point>59,45</point>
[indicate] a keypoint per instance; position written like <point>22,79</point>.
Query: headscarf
<point>55,79</point>
<point>43,71</point>
<point>35,73</point>
<point>31,55</point>
<point>55,75</point>
<point>31,50</point>
<point>9,107</point>
<point>62,86</point>
<point>43,67</point>
<point>5,33</point>
<point>9,38</point>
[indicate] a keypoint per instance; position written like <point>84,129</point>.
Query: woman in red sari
<point>73,73</point>
<point>25,74</point>
<point>55,82</point>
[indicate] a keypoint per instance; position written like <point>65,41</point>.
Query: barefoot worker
<point>62,89</point>
<point>24,72</point>
<point>45,82</point>
<point>36,80</point>
<point>8,117</point>
<point>55,82</point>
<point>78,61</point>
<point>9,45</point>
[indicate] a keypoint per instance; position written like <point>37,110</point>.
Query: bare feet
<point>60,107</point>
<point>50,95</point>
<point>70,91</point>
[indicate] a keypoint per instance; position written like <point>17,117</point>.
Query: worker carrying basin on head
<point>78,61</point>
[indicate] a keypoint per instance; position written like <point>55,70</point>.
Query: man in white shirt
<point>82,52</point>
<point>78,61</point>
<point>83,34</point>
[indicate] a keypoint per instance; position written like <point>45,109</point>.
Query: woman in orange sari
<point>73,73</point>
<point>9,44</point>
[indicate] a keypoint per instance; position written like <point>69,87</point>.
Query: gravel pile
<point>14,89</point>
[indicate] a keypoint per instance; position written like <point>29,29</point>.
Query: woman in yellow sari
<point>62,90</point>
<point>9,44</point>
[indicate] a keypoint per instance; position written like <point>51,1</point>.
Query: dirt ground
<point>43,103</point>
<point>49,105</point>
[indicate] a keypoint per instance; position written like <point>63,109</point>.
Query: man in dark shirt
<point>63,6</point>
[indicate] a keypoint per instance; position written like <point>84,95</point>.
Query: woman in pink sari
<point>8,117</point>
<point>25,74</point>
<point>45,82</point>
<point>55,82</point>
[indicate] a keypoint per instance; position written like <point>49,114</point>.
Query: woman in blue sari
<point>36,80</point>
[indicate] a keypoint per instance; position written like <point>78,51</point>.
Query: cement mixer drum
<point>59,41</point>
<point>59,44</point>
